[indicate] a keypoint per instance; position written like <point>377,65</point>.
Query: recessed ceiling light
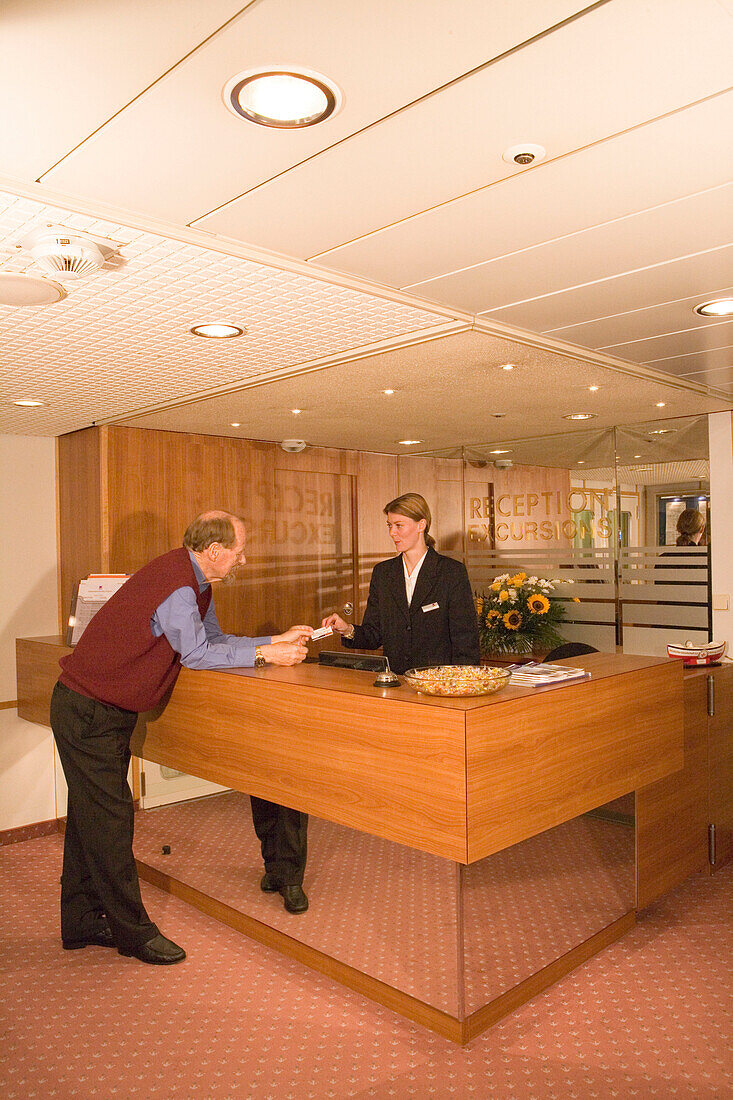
<point>661,404</point>
<point>388,392</point>
<point>408,442</point>
<point>296,412</point>
<point>637,456</point>
<point>500,452</point>
<point>284,98</point>
<point>28,403</point>
<point>661,431</point>
<point>593,389</point>
<point>236,424</point>
<point>718,307</point>
<point>581,462</point>
<point>28,290</point>
<point>217,331</point>
<point>508,366</point>
<point>579,416</point>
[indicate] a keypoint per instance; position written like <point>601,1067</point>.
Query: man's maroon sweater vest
<point>118,659</point>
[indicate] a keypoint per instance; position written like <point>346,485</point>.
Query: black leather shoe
<point>269,883</point>
<point>294,899</point>
<point>158,950</point>
<point>101,938</point>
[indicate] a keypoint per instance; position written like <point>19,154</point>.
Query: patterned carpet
<point>649,1017</point>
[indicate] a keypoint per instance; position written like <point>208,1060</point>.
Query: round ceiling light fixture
<point>28,290</point>
<point>718,307</point>
<point>217,331</point>
<point>579,416</point>
<point>286,98</point>
<point>408,442</point>
<point>28,403</point>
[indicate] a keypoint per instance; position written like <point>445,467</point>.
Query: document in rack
<point>538,675</point>
<point>91,594</point>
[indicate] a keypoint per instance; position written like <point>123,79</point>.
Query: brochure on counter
<point>537,675</point>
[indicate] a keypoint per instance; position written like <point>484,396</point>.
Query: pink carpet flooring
<point>649,1017</point>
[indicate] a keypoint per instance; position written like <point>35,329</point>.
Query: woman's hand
<point>336,623</point>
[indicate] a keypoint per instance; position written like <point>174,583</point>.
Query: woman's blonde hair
<point>689,523</point>
<point>414,507</point>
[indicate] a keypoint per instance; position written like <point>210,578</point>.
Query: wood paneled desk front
<point>460,779</point>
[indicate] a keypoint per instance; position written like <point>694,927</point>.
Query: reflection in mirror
<point>387,910</point>
<point>526,906</point>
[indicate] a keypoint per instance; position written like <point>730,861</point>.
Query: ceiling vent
<point>59,252</point>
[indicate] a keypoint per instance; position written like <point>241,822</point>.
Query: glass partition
<point>598,511</point>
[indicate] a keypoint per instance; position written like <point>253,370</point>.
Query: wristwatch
<point>349,634</point>
<point>260,661</point>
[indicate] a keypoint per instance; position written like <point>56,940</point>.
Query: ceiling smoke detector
<point>58,251</point>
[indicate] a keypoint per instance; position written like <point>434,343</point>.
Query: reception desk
<point>479,841</point>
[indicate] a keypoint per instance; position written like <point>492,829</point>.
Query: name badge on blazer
<point>430,606</point>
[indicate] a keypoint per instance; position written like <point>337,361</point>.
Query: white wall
<point>29,608</point>
<point>721,528</point>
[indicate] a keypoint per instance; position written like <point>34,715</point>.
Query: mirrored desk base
<point>452,947</point>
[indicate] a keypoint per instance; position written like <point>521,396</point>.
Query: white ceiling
<point>387,227</point>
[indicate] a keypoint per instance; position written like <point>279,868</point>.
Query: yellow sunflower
<point>503,595</point>
<point>495,586</point>
<point>512,620</point>
<point>518,580</point>
<point>494,614</point>
<point>538,603</point>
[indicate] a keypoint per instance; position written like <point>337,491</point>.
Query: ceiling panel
<point>671,158</point>
<point>641,323</point>
<point>177,152</point>
<point>688,226</point>
<point>712,360</point>
<point>483,115</point>
<point>121,341</point>
<point>463,397</point>
<point>720,378</point>
<point>703,339</point>
<point>67,66</point>
<point>623,294</point>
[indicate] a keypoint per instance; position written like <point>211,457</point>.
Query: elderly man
<point>127,661</point>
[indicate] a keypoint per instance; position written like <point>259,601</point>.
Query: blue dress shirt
<point>200,642</point>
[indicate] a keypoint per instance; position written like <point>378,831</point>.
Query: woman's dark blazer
<point>411,636</point>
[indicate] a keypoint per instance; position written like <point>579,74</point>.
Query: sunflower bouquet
<point>519,615</point>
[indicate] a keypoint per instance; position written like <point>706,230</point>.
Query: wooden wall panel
<point>79,515</point>
<point>671,814</point>
<point>377,485</point>
<point>439,480</point>
<point>720,748</point>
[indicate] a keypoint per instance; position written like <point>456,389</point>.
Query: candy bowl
<point>457,680</point>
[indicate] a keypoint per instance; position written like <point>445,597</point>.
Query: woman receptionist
<point>420,608</point>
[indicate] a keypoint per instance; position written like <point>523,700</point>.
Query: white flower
<point>512,595</point>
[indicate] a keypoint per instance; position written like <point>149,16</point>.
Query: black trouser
<point>99,874</point>
<point>283,836</point>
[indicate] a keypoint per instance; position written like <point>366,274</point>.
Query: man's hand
<point>295,634</point>
<point>284,653</point>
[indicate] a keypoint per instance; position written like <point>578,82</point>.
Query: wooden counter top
<point>460,778</point>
